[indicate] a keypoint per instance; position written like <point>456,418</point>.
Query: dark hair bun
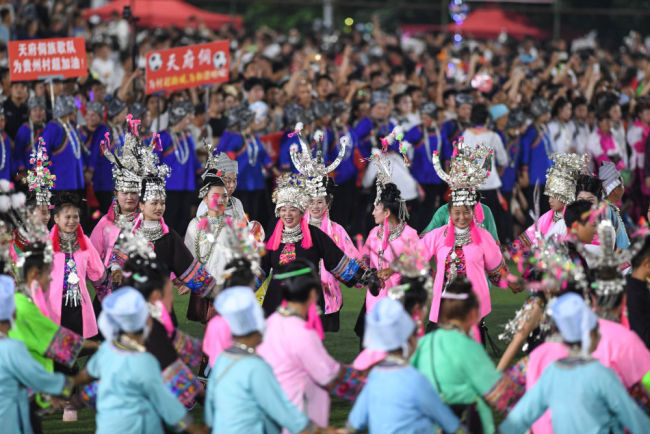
<point>65,199</point>
<point>212,178</point>
<point>329,185</point>
<point>390,193</point>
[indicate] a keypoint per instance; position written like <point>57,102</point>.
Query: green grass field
<point>343,346</point>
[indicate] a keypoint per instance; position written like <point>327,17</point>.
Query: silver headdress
<point>207,176</point>
<point>547,270</point>
<point>314,168</point>
<point>469,170</point>
<point>219,161</point>
<point>39,179</point>
<point>134,244</point>
<point>608,282</point>
<point>562,177</point>
<point>152,172</point>
<point>125,161</point>
<point>30,230</point>
<point>292,190</point>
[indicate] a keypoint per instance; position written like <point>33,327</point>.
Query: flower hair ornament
<point>39,179</point>
<point>562,177</point>
<point>32,231</point>
<point>547,272</point>
<point>314,169</point>
<point>469,170</point>
<point>243,244</point>
<point>608,282</point>
<point>413,265</point>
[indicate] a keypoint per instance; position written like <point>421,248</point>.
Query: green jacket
<point>441,218</point>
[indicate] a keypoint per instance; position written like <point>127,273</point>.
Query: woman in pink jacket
<point>461,248</point>
<point>75,261</point>
<point>318,215</point>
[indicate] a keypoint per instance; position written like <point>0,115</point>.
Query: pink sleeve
<point>97,239</point>
<point>492,256</point>
<point>322,368</point>
<point>96,268</point>
<point>346,244</point>
<point>217,338</point>
<point>428,244</point>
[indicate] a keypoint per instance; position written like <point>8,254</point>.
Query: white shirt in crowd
<point>500,158</point>
<point>635,135</point>
<point>562,136</point>
<point>400,174</point>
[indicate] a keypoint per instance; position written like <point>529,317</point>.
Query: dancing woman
<point>75,262</point>
<point>461,248</point>
<point>294,238</point>
<point>321,196</point>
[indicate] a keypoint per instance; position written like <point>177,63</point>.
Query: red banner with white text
<point>189,66</point>
<point>40,58</point>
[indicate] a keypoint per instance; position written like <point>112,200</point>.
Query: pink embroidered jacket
<point>89,266</point>
<point>408,237</point>
<point>481,256</point>
<point>105,235</point>
<point>331,285</point>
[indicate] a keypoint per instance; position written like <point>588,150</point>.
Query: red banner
<point>40,58</point>
<point>190,66</point>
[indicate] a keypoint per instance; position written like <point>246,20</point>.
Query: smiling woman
<point>295,238</point>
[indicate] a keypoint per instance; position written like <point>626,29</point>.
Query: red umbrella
<point>489,23</point>
<point>164,13</point>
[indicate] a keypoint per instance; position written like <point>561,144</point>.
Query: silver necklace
<point>153,233</point>
<point>243,347</point>
<point>393,234</point>
<point>292,235</point>
<point>427,142</point>
<point>75,140</point>
<point>462,237</point>
<point>204,235</point>
<point>69,242</point>
<point>251,143</point>
<point>557,216</point>
<point>181,148</point>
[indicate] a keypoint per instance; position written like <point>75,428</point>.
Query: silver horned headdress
<point>314,168</point>
<point>125,161</point>
<point>562,177</point>
<point>469,170</point>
